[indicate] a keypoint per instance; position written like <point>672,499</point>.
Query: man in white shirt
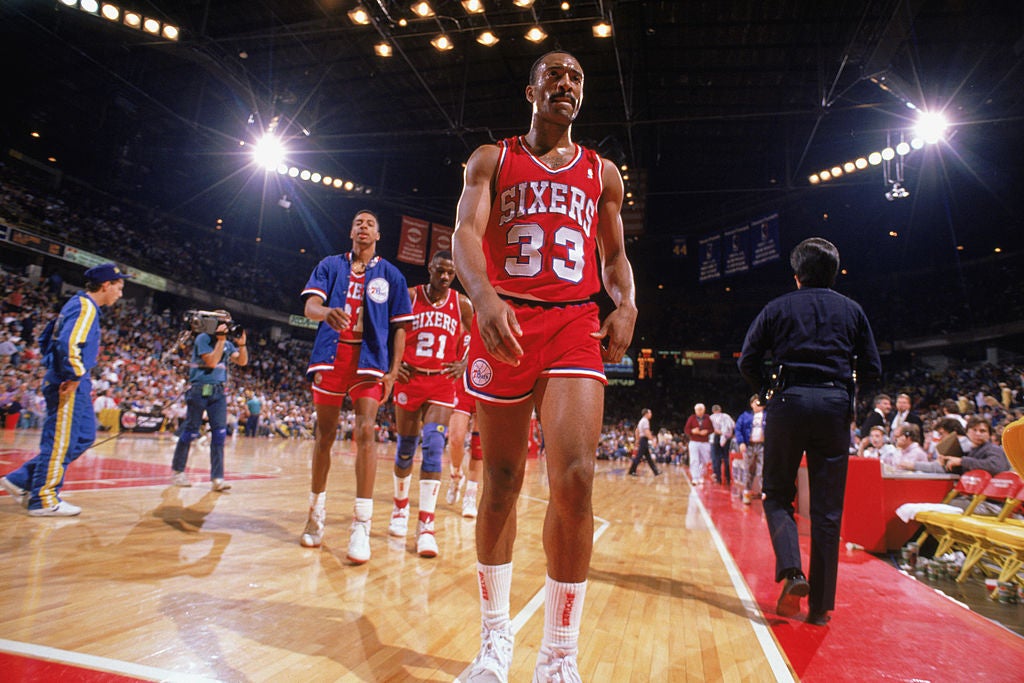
<point>723,426</point>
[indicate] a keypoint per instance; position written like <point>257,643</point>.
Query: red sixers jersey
<point>436,330</point>
<point>541,239</point>
<point>353,334</point>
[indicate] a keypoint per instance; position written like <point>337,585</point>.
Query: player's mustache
<point>566,95</point>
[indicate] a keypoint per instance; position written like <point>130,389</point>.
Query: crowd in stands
<point>184,252</point>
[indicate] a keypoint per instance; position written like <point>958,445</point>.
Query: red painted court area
<point>91,471</point>
<point>886,626</point>
<point>18,668</point>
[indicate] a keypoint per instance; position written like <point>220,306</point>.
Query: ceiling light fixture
<point>473,6</point>
<point>523,3</point>
<point>151,26</point>
<point>383,49</point>
<point>170,32</point>
<point>359,15</point>
<point>133,20</point>
<point>602,29</point>
<point>422,10</point>
<point>487,38</point>
<point>536,34</point>
<point>442,42</point>
<point>111,12</point>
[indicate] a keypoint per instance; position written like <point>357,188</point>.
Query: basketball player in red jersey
<point>459,424</point>
<point>537,216</point>
<point>425,394</point>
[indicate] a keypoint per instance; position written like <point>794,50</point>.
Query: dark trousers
<point>720,459</point>
<point>812,420</point>
<point>216,407</point>
<point>643,451</point>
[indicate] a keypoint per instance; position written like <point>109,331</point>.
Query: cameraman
<point>208,373</point>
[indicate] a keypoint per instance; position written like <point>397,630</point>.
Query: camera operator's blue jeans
<point>216,407</point>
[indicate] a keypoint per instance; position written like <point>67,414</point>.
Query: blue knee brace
<point>433,446</point>
<point>218,437</point>
<point>406,449</point>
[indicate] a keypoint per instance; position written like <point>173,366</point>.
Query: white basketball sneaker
<point>399,525</point>
<point>359,542</point>
<point>313,534</point>
<point>495,657</point>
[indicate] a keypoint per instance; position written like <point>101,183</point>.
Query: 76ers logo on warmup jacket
<point>480,374</point>
<point>378,290</point>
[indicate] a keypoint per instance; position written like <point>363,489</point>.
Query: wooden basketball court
<point>156,582</point>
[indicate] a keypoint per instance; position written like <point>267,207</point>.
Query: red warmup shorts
<point>437,389</point>
<point>464,403</point>
<point>330,386</point>
<point>556,342</point>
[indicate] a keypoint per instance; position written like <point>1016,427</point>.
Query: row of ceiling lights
<point>487,37</point>
<point>127,18</point>
<point>873,159</point>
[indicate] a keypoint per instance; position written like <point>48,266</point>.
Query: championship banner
<point>737,250</point>
<point>412,245</point>
<point>710,255</point>
<point>764,237</point>
<point>440,238</point>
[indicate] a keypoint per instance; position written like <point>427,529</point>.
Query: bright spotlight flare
<point>931,127</point>
<point>269,152</point>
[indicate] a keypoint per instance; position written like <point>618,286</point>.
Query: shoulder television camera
<point>200,322</point>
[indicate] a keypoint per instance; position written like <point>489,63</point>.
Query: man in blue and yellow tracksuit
<point>70,347</point>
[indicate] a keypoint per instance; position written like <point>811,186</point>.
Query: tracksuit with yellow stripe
<point>70,427</point>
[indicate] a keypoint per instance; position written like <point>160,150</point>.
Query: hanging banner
<point>710,258</point>
<point>737,250</point>
<point>412,245</point>
<point>440,238</point>
<point>765,240</point>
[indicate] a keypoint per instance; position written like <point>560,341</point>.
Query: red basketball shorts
<point>556,343</point>
<point>464,402</point>
<point>330,386</point>
<point>437,389</point>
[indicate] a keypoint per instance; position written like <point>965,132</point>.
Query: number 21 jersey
<point>541,239</point>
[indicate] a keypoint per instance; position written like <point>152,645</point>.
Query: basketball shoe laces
<point>560,667</point>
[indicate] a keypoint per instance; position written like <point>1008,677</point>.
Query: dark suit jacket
<point>873,419</point>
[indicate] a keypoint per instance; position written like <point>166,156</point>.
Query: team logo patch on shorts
<point>318,378</point>
<point>401,398</point>
<point>480,374</point>
<point>378,290</point>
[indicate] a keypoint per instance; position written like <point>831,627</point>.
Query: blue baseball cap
<point>105,272</point>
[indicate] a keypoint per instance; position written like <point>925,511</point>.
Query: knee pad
<point>188,437</point>
<point>218,436</point>
<point>433,446</point>
<point>404,452</point>
<point>476,451</point>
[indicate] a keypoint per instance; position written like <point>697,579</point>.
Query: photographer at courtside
<point>208,373</point>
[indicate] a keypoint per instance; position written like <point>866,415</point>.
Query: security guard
<point>813,337</point>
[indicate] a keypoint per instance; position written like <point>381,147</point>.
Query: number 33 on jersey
<point>545,244</point>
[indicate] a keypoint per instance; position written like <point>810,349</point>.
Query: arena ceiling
<point>725,107</point>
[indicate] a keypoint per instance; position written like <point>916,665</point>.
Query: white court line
<point>537,601</point>
<point>776,660</point>
<point>99,663</point>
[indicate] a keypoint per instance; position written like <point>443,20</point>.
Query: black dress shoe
<point>818,617</point>
<point>796,587</point>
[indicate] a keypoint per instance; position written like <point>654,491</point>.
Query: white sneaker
<point>495,657</point>
<point>451,496</point>
<point>556,666</point>
<point>469,505</point>
<point>61,509</point>
<point>399,525</point>
<point>313,534</point>
<point>426,542</point>
<point>17,493</point>
<point>359,542</point>
<point>180,479</point>
<point>219,485</point>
